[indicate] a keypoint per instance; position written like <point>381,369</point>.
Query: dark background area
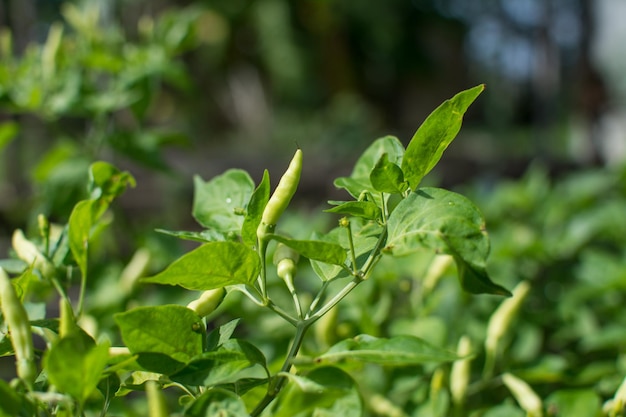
<point>255,79</point>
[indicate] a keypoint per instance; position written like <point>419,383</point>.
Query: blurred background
<point>169,89</point>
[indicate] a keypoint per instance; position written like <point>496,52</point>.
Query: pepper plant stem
<point>278,381</point>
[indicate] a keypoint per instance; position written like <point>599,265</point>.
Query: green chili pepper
<point>282,195</point>
<point>286,260</point>
<point>524,394</point>
<point>500,322</point>
<point>460,373</point>
<point>207,302</point>
<point>16,319</point>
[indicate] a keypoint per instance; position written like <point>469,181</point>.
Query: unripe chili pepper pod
<point>282,195</point>
<point>500,322</point>
<point>16,319</point>
<point>460,373</point>
<point>524,394</point>
<point>207,302</point>
<point>286,260</point>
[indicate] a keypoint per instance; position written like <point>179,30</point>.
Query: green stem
<point>352,252</point>
<point>81,294</point>
<point>278,310</point>
<point>278,381</point>
<point>294,295</point>
<point>262,280</point>
<point>317,299</point>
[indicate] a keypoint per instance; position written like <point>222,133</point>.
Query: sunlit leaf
<point>254,210</point>
<point>396,351</point>
<point>444,222</point>
<point>387,176</point>
<point>435,134</point>
<point>364,209</point>
<point>212,265</point>
<point>317,250</point>
<point>220,203</point>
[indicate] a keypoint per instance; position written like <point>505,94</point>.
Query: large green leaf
<point>323,391</point>
<point>74,365</point>
<point>219,203</point>
<point>396,351</point>
<point>165,337</point>
<point>444,222</point>
<point>359,180</point>
<point>435,134</point>
<point>212,265</point>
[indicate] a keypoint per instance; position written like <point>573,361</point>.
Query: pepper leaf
<point>364,209</point>
<point>396,351</point>
<point>219,203</point>
<point>254,211</point>
<point>212,265</point>
<point>446,222</point>
<point>435,134</point>
<point>316,250</point>
<point>387,177</point>
<point>163,337</point>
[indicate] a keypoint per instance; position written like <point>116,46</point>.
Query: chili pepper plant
<point>195,359</point>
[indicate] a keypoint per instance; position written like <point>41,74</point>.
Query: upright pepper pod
<point>282,195</point>
<point>16,319</point>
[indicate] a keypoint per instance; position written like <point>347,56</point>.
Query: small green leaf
<point>107,182</point>
<point>323,390</point>
<point>359,180</point>
<point>217,402</point>
<point>81,221</point>
<point>387,177</point>
<point>162,336</point>
<point>221,335</point>
<point>205,236</point>
<point>212,265</point>
<point>331,253</point>
<point>435,134</point>
<point>216,203</point>
<point>363,209</point>
<point>254,211</point>
<point>397,351</point>
<point>74,365</point>
<point>445,222</point>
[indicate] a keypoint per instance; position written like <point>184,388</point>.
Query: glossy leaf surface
<point>212,265</point>
<point>435,134</point>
